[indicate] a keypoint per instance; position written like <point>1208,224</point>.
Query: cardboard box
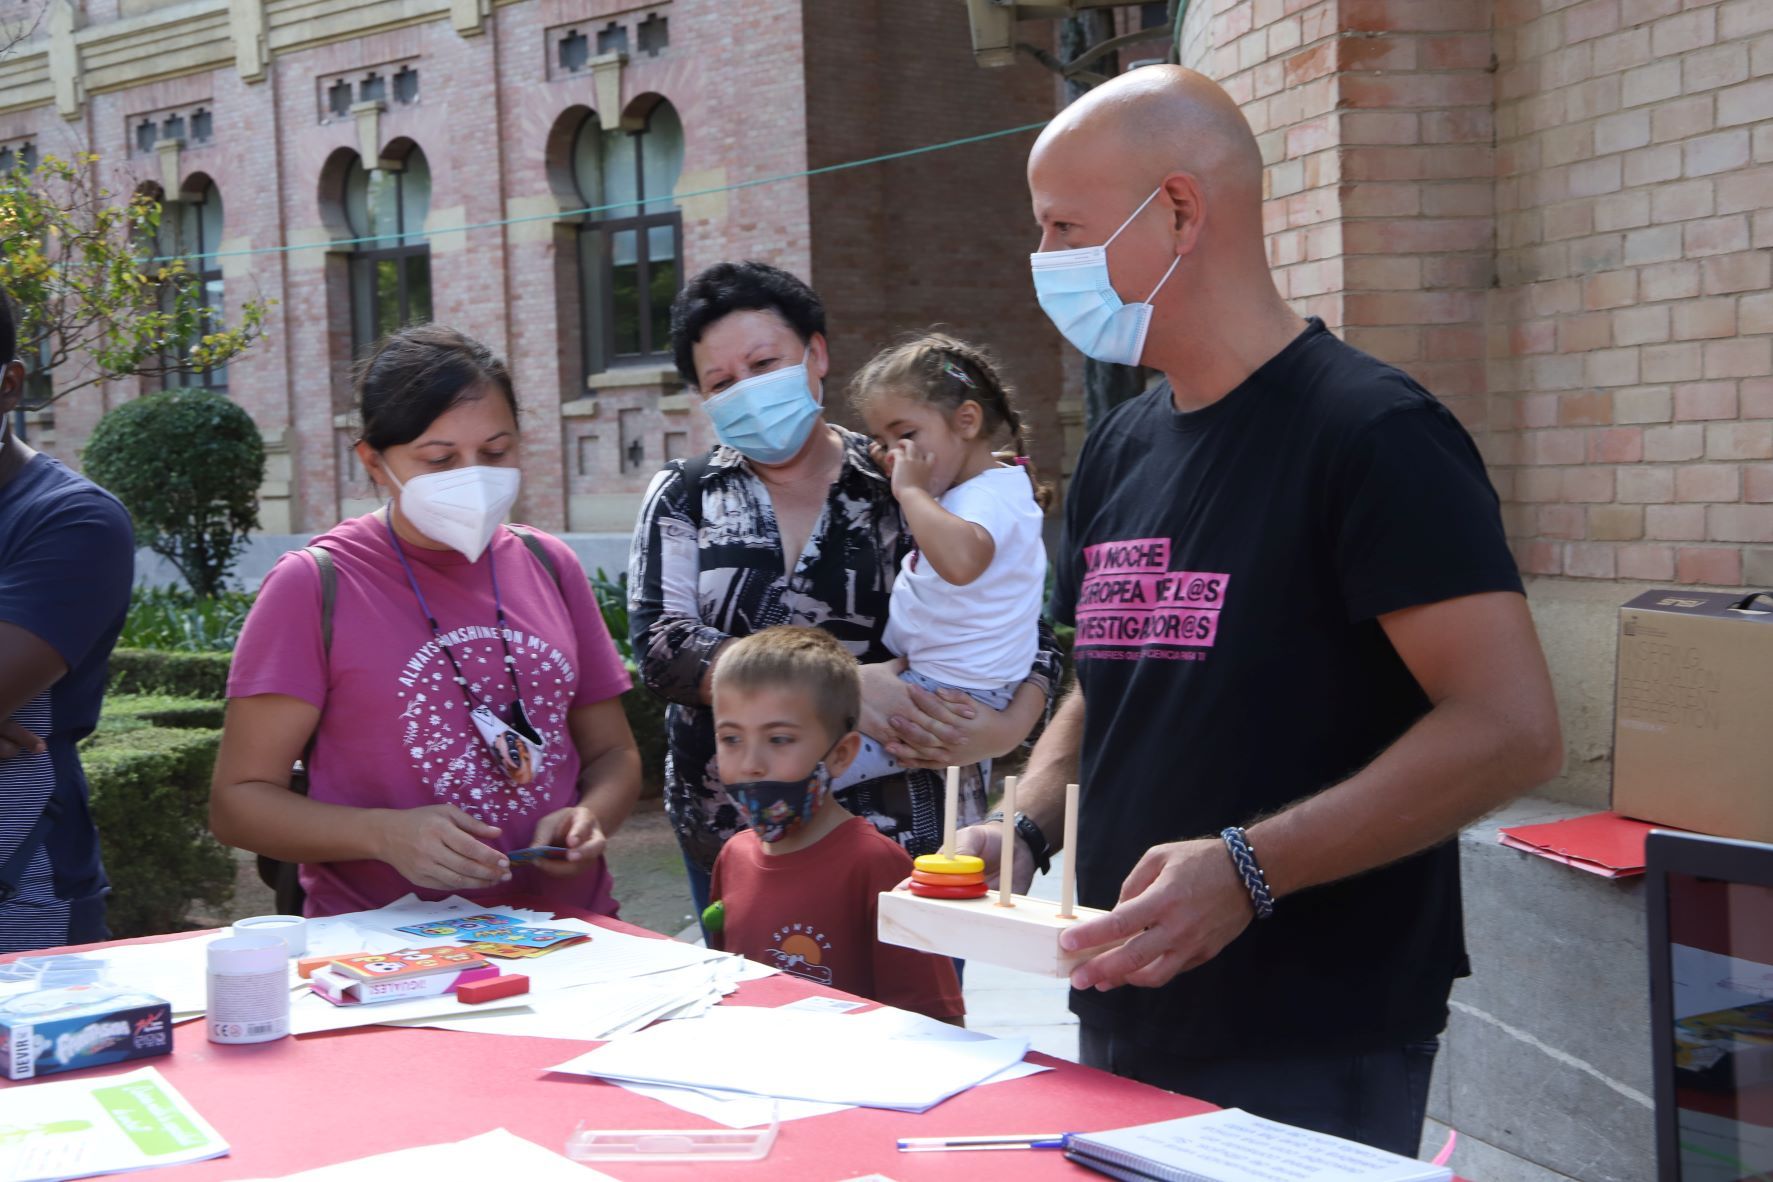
<point>1693,712</point>
<point>53,1030</point>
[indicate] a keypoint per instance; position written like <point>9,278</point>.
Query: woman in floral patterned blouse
<point>708,566</point>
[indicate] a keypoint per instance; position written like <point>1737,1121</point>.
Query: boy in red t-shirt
<point>799,890</point>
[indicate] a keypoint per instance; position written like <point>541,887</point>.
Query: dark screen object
<point>1710,915</point>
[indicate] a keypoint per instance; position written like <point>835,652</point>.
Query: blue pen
<point>997,1141</point>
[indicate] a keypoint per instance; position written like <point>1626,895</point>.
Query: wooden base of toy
<point>1024,937</point>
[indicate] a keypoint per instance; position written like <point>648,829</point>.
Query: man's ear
<point>844,754</point>
<point>1188,210</point>
<point>12,386</point>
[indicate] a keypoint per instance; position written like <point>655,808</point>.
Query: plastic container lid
<point>663,1145</point>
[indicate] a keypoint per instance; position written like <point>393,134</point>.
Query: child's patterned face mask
<point>778,808</point>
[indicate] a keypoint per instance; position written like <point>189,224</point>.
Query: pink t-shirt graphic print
<point>394,727</point>
<point>1132,606</point>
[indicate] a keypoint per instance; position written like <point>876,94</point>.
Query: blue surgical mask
<point>768,417</point>
<point>778,808</point>
<point>1076,294</point>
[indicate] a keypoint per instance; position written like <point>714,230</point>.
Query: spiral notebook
<point>1233,1146</point>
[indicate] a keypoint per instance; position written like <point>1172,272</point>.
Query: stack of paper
<point>633,968</point>
<point>112,1124</point>
<point>836,1059</point>
<point>603,1010</point>
<point>741,1110</point>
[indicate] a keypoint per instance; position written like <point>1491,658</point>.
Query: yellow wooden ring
<point>947,864</point>
<point>947,880</point>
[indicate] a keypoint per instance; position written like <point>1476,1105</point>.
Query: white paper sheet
<point>114,1124</point>
<point>610,956</point>
<point>594,1013</point>
<point>836,1058</point>
<point>741,1110</point>
<point>494,1155</point>
<point>309,1014</point>
<point>173,970</point>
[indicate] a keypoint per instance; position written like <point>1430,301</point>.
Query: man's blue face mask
<point>1075,292</point>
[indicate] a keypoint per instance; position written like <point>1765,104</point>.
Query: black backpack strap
<point>329,591</point>
<point>694,469</point>
<point>12,871</point>
<point>528,537</point>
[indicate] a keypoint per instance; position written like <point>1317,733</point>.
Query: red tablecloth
<point>312,1101</point>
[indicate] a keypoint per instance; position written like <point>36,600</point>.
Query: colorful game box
<point>395,976</point>
<point>407,963</point>
<point>524,942</point>
<point>464,928</point>
<point>49,1031</point>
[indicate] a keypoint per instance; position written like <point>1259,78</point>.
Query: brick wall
<point>763,89</point>
<point>1559,216</point>
<point>933,239</point>
<point>1630,348</point>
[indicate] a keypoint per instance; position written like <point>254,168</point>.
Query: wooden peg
<point>1006,849</point>
<point>1068,878</point>
<point>950,802</point>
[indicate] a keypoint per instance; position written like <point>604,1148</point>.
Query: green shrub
<point>646,713</point>
<point>188,465</point>
<point>612,601</point>
<point>150,800</point>
<point>175,620</point>
<point>646,718</point>
<point>182,675</point>
<point>134,711</point>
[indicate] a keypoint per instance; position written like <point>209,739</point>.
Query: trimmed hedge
<point>179,675</point>
<point>149,779</point>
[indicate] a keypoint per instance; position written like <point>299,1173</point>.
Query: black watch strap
<point>1032,836</point>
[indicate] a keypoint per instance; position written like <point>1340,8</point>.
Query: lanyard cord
<point>492,567</point>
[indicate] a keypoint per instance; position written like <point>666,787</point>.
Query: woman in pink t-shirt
<point>468,703</point>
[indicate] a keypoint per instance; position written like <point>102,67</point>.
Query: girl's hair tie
<point>1021,461</point>
<point>958,374</point>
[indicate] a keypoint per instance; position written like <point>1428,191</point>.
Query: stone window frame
<point>611,33</point>
<point>365,262</point>
<point>597,328</point>
<point>383,81</point>
<point>19,153</point>
<point>204,268</point>
<point>178,124</point>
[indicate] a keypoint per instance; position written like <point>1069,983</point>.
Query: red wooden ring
<point>976,891</point>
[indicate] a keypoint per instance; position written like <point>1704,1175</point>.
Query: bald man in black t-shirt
<point>1302,641</point>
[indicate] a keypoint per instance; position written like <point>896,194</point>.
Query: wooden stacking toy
<point>944,909</point>
<point>948,876</point>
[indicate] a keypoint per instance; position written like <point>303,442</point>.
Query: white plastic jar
<point>248,989</point>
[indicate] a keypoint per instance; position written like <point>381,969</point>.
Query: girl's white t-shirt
<point>982,635</point>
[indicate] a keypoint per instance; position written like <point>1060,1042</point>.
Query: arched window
<point>191,229</point>
<point>629,254</point>
<point>390,273</point>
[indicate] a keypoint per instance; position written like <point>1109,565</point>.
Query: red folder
<point>1606,844</point>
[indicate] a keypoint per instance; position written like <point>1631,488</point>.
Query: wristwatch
<point>1031,836</point>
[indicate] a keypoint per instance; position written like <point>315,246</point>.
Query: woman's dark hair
<point>945,372</point>
<point>718,291</point>
<point>416,374</point>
